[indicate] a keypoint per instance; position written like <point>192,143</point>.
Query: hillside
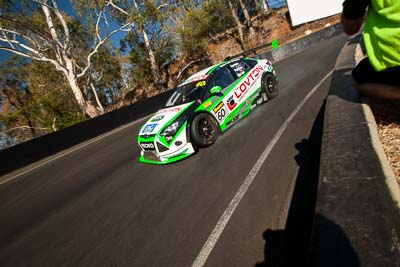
<point>274,25</point>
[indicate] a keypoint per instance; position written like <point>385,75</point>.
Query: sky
<point>67,7</point>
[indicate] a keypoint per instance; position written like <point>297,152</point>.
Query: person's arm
<point>351,26</point>
<point>353,15</point>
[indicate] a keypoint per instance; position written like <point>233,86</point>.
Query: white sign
<point>302,11</point>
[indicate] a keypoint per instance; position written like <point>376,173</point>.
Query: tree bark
<point>68,69</point>
<point>96,96</point>
<point>265,6</point>
<point>85,106</point>
<point>153,63</point>
<point>247,17</point>
<point>239,25</point>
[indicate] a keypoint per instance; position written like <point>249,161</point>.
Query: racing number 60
<point>221,114</point>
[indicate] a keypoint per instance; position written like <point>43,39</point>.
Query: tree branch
<point>50,25</point>
<point>111,3</point>
<point>95,50</point>
<point>63,23</point>
<point>162,5</point>
<point>25,127</point>
<point>6,39</point>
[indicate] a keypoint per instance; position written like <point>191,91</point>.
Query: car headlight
<point>171,130</point>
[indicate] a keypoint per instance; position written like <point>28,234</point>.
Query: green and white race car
<point>204,106</point>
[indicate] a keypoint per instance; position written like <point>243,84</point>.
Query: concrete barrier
<point>357,194</point>
<point>301,44</point>
<point>36,149</point>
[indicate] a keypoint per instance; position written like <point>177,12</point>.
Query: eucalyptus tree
<point>265,6</point>
<point>40,31</point>
<point>34,100</point>
<point>239,24</point>
<point>150,44</point>
<point>16,123</point>
<point>247,17</point>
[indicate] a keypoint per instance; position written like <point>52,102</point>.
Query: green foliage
<point>34,100</point>
<point>210,18</point>
<point>139,64</point>
<point>6,5</point>
<point>163,48</point>
<point>106,75</point>
<point>151,17</point>
<point>52,96</point>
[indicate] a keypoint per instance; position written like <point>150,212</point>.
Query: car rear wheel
<point>204,130</point>
<point>270,86</point>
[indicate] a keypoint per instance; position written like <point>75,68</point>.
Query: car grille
<point>161,147</point>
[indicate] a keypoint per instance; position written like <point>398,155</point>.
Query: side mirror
<point>216,90</point>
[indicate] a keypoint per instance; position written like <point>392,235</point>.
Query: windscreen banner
<point>302,11</point>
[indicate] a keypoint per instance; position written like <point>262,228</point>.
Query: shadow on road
<point>291,246</point>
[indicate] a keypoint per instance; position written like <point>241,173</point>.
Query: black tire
<point>270,85</point>
<point>204,130</point>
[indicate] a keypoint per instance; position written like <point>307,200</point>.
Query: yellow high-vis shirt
<point>382,34</point>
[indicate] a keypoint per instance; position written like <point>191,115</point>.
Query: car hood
<point>160,119</point>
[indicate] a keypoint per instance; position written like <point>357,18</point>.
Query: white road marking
<point>223,221</point>
<point>77,147</point>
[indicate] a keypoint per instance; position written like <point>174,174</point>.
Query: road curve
<point>98,206</point>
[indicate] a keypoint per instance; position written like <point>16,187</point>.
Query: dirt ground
<point>274,25</point>
<point>387,116</point>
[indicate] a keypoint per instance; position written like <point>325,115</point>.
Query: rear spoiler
<point>274,44</point>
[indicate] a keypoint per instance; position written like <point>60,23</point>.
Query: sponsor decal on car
<point>169,110</point>
<point>195,79</point>
<point>201,83</point>
<point>207,104</point>
<point>147,146</point>
<point>157,118</point>
<point>231,103</point>
<point>248,82</point>
<point>220,111</point>
<point>218,107</point>
<point>149,128</point>
<point>238,68</point>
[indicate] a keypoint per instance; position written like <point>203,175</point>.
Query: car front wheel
<point>204,130</point>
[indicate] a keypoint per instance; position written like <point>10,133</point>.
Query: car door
<point>248,77</point>
<point>224,78</point>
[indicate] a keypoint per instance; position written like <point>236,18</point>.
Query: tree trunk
<point>101,108</point>
<point>265,6</point>
<point>86,106</point>
<point>247,17</point>
<point>153,64</point>
<point>238,24</point>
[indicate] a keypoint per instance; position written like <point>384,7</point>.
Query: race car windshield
<point>186,93</point>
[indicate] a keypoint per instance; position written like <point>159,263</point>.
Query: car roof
<point>203,74</point>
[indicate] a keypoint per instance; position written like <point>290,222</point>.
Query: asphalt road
<point>98,206</point>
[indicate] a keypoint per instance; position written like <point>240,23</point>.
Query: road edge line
<point>227,214</point>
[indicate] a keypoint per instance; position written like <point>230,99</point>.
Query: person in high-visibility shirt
<point>379,73</point>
